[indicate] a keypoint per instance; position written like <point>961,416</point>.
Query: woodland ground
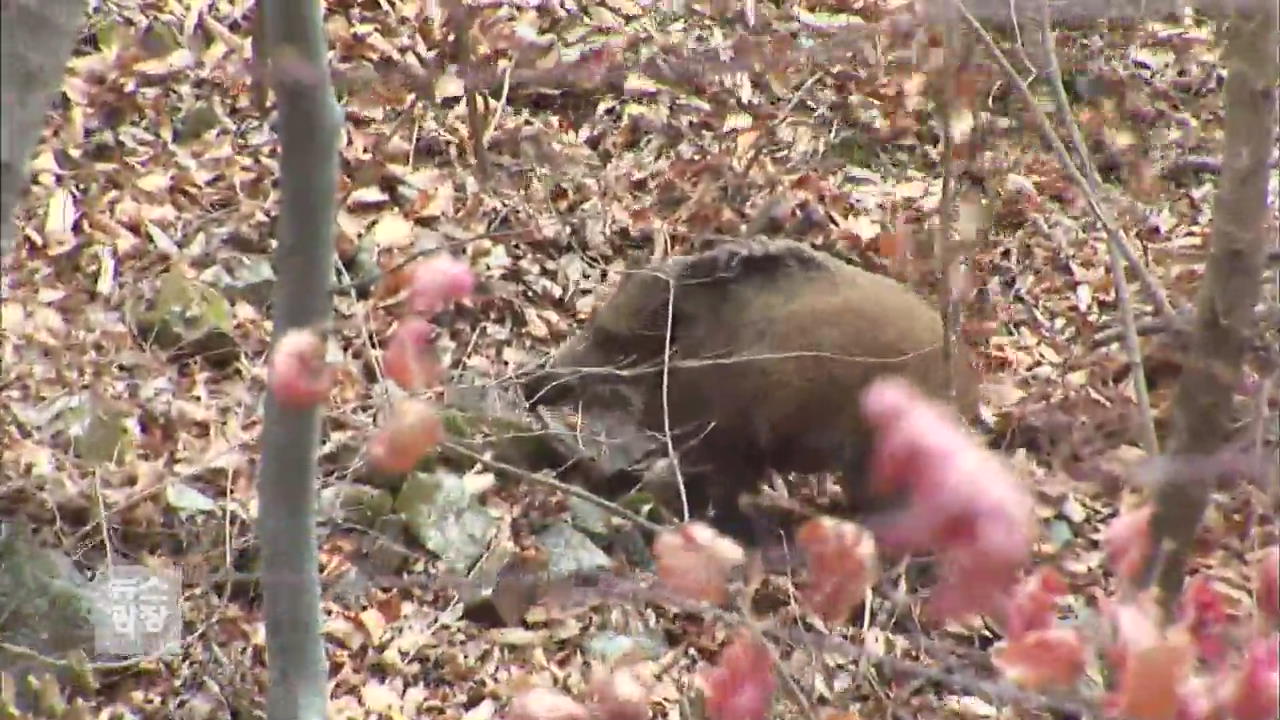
<point>156,159</point>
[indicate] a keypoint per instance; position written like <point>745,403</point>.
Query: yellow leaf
<point>602,18</point>
<point>863,226</point>
<point>392,230</point>
<point>60,213</point>
<point>371,195</point>
<point>374,622</point>
<point>625,7</point>
<point>379,698</point>
<point>911,190</point>
<point>737,121</point>
<point>153,182</point>
<point>449,86</point>
<point>637,84</point>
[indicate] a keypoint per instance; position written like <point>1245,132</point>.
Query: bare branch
<point>554,484</point>
<point>1115,240</point>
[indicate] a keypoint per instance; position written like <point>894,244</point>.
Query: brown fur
<point>825,330</point>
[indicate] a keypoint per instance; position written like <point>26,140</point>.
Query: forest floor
<point>622,133</point>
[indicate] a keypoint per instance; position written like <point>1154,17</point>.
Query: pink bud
<point>438,281</point>
<point>410,357</point>
<point>412,431</point>
<point>297,373</point>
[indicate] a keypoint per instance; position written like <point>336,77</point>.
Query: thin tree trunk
<point>1224,321</point>
<point>36,39</point>
<point>309,125</point>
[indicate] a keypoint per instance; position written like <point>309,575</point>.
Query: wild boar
<point>771,343</point>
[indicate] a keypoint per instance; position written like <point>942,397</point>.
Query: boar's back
<point>775,342</point>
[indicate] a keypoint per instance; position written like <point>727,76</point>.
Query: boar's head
<point>610,361</point>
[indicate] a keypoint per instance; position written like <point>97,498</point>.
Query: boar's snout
<point>547,386</point>
<point>558,382</point>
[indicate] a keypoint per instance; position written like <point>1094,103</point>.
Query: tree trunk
<point>309,123</point>
<point>1232,284</point>
<point>36,38</point>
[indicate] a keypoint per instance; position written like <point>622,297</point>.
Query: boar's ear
<point>639,304</point>
<point>751,259</point>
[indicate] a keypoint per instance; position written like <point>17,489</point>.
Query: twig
<point>1117,246</point>
<point>666,401</point>
<point>368,281</point>
<point>1269,480</point>
<point>996,690</point>
<point>948,254</point>
<point>463,16</point>
<point>1144,328</point>
<point>789,682</point>
<point>104,513</point>
<point>1268,319</point>
<point>1158,296</point>
<point>758,144</point>
<point>1054,75</point>
<point>27,653</point>
<point>502,102</point>
<point>570,372</point>
<point>611,508</point>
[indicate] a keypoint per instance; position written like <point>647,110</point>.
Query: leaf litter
<point>612,130</point>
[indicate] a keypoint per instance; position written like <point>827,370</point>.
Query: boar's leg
<point>716,473</point>
<point>728,517</point>
<point>860,499</point>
